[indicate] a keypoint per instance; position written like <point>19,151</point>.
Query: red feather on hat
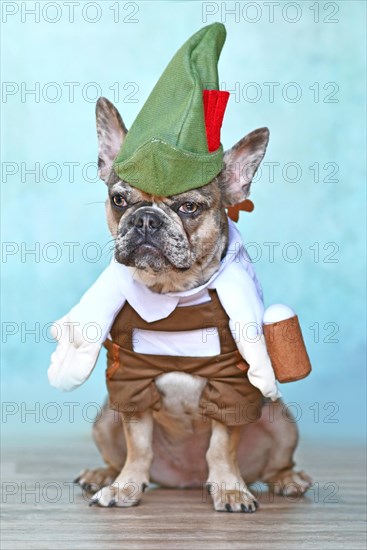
<point>215,103</point>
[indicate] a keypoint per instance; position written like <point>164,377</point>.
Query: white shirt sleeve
<point>99,306</point>
<point>239,295</point>
<point>82,331</point>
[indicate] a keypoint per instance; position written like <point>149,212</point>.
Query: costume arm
<point>260,373</point>
<point>82,331</point>
<point>240,298</point>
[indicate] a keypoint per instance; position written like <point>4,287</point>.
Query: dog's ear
<point>111,132</point>
<point>240,165</point>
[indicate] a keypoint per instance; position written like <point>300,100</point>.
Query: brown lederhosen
<point>228,395</point>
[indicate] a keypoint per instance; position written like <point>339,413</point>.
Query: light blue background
<point>331,400</point>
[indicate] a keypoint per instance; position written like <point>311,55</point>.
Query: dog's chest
<point>180,393</point>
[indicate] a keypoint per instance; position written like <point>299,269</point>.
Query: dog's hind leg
<point>278,472</point>
<point>108,434</point>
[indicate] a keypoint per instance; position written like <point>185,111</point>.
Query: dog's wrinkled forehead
<point>205,195</point>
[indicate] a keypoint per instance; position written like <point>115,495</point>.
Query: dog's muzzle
<point>150,238</point>
<point>146,221</point>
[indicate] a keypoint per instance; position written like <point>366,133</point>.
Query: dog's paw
<point>290,483</point>
<point>238,499</point>
<point>121,494</point>
<point>94,480</point>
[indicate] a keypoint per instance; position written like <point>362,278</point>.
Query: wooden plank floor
<point>43,510</point>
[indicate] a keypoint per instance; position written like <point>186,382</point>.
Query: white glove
<point>74,358</point>
<point>260,373</point>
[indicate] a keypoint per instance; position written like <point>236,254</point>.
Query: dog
<point>186,238</point>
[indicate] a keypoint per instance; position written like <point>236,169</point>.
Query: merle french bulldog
<point>176,244</point>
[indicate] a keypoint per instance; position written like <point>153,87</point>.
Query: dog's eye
<point>188,207</point>
<point>119,200</point>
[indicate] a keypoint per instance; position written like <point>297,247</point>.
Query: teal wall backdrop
<point>296,67</point>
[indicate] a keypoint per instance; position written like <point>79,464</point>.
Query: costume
<point>131,375</point>
<point>236,286</point>
<point>174,146</point>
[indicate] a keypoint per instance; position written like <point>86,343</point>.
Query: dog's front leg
<point>225,483</point>
<point>128,487</point>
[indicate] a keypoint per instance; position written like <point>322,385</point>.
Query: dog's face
<point>173,243</point>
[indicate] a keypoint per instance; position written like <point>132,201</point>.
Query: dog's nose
<point>147,220</point>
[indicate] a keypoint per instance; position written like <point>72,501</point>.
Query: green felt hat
<point>166,150</point>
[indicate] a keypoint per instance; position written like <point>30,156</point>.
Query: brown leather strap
<point>197,317</point>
